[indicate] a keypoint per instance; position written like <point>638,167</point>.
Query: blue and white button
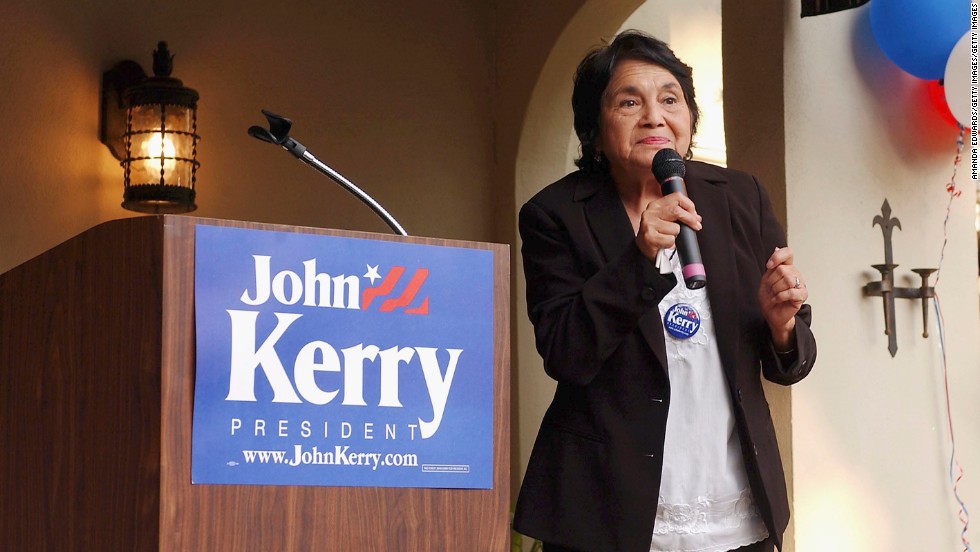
<point>682,321</point>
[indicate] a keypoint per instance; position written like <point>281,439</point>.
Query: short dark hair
<point>592,77</point>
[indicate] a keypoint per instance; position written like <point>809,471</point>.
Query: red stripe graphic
<point>385,288</point>
<point>408,294</point>
<point>421,309</point>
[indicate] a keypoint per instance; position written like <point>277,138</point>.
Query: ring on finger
<point>797,285</point>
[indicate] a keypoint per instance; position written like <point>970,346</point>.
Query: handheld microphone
<point>669,169</point>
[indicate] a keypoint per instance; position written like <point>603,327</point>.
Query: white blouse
<point>705,502</point>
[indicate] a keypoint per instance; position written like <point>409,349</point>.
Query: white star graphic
<point>372,273</point>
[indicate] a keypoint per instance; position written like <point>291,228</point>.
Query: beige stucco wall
<point>870,443</point>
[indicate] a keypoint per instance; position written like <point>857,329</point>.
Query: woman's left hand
<point>782,292</point>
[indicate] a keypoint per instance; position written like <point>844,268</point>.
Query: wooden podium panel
<point>96,400</point>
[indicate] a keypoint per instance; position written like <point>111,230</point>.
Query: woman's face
<point>642,111</point>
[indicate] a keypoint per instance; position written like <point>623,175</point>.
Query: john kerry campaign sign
<point>325,360</point>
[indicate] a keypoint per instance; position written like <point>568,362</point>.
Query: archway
<point>547,148</point>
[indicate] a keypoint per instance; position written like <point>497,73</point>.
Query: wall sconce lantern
<point>150,125</point>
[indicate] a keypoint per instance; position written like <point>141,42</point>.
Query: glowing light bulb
<point>157,145</point>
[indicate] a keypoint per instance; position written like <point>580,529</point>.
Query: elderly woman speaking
<point>659,436</point>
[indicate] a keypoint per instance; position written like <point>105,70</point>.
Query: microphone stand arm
<point>278,133</point>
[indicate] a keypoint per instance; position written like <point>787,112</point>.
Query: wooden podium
<point>97,359</point>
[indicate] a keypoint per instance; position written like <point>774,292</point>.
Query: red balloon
<point>937,97</point>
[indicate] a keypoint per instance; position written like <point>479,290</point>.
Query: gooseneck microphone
<point>669,170</point>
<point>278,133</point>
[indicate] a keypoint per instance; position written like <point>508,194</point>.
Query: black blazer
<point>594,474</point>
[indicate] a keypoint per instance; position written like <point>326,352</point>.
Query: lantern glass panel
<point>183,145</point>
<point>176,172</point>
<point>180,118</point>
<point>161,157</point>
<point>145,117</point>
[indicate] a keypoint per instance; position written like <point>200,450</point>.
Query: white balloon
<point>956,81</point>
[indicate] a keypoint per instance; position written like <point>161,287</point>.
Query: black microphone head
<point>261,133</point>
<point>668,163</point>
<point>278,132</point>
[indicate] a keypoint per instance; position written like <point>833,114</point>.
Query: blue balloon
<point>918,35</point>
